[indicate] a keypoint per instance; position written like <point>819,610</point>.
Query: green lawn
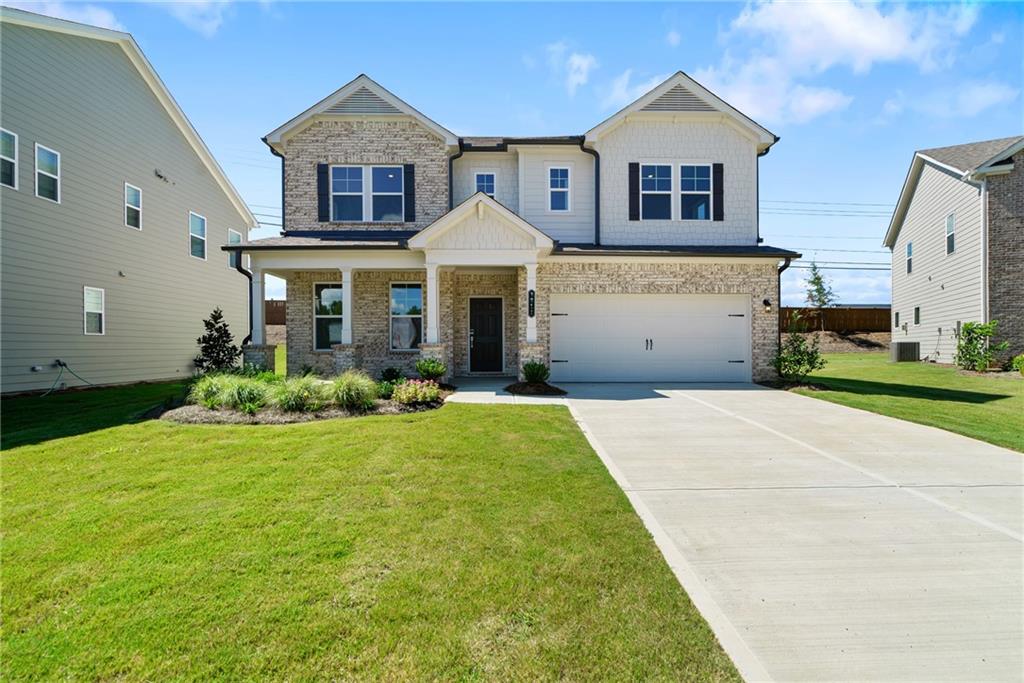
<point>986,408</point>
<point>281,359</point>
<point>471,542</point>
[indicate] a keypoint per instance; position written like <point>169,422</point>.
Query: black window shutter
<point>409,183</point>
<point>634,191</point>
<point>323,195</point>
<point>717,173</point>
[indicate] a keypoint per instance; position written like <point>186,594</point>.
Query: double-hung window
<point>695,189</point>
<point>197,235</point>
<point>558,189</point>
<point>485,183</point>
<point>95,311</point>
<point>406,316</point>
<point>950,230</point>
<point>910,257</point>
<point>328,315</point>
<point>234,237</point>
<point>917,315</point>
<point>347,193</point>
<point>656,192</point>
<point>8,159</point>
<point>132,207</point>
<point>388,194</point>
<point>47,173</point>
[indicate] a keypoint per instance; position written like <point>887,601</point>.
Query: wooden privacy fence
<point>838,319</point>
<point>273,312</point>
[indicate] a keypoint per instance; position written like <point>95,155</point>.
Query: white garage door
<point>650,337</point>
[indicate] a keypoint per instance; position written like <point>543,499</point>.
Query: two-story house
<point>957,241</point>
<point>111,212</point>
<point>630,252</point>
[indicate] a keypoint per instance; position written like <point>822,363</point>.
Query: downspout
<point>984,251</point>
<point>248,276</point>
<point>451,160</point>
<point>597,191</point>
<point>280,156</point>
<point>778,302</point>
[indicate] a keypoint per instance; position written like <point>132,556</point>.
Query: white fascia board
<point>422,239</point>
<point>481,257</point>
<point>333,260</point>
<point>668,258</point>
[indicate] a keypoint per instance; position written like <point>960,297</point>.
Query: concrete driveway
<point>824,543</point>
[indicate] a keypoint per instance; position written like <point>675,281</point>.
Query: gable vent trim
<point>678,98</point>
<point>363,101</point>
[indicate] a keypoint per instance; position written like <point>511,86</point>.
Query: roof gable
<point>361,96</point>
<point>480,222</point>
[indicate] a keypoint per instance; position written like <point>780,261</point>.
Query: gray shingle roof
<point>971,155</point>
<point>314,243</point>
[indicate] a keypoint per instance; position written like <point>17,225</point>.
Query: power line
<point>840,268</point>
<point>829,237</point>
<point>794,201</point>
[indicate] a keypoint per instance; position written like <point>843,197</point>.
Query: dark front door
<point>485,335</point>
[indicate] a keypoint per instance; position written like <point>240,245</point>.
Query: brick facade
<point>470,284</point>
<point>1006,254</point>
<point>364,142</point>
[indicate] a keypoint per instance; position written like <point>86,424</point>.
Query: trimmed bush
<point>354,390</point>
<point>431,368</point>
<point>300,394</point>
<point>386,388</point>
<point>797,357</point>
<point>416,391</point>
<point>535,372</point>
<point>391,375</point>
<point>1018,363</point>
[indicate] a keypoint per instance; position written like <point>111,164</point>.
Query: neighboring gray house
<point>957,241</point>
<point>630,252</point>
<point>113,212</point>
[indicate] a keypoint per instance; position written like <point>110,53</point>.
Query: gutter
<point>597,191</point>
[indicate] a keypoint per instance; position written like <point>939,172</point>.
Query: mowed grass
<point>989,408</point>
<point>281,359</point>
<point>470,542</point>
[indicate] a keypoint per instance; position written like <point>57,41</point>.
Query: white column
<point>531,286</point>
<point>346,305</point>
<point>433,305</point>
<point>258,334</point>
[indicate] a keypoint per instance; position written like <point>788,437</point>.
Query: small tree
<point>798,357</point>
<point>217,350</point>
<point>974,349</point>
<point>819,292</point>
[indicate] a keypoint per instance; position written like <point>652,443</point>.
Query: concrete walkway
<point>824,543</point>
<point>491,389</point>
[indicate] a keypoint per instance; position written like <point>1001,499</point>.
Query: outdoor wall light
<point>767,305</point>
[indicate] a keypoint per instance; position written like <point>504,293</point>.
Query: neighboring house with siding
<point>630,252</point>
<point>112,213</point>
<point>957,241</point>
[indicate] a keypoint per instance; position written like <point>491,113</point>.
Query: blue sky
<point>852,89</point>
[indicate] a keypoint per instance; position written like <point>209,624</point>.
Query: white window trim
<point>127,205</point>
<point>392,316</point>
<point>400,193</point>
<point>102,311</point>
<point>60,190</point>
<point>361,195</point>
<point>14,160</point>
<point>476,180</point>
<point>340,284</point>
<point>949,233</point>
<point>206,230</point>
<point>241,238</point>
<point>568,190</point>
<point>909,258</point>
<point>671,191</point>
<point>710,191</point>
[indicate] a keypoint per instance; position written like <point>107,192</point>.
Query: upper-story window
<point>197,235</point>
<point>388,194</point>
<point>485,183</point>
<point>8,159</point>
<point>558,189</point>
<point>347,193</point>
<point>950,230</point>
<point>234,237</point>
<point>695,193</point>
<point>47,173</point>
<point>910,257</point>
<point>132,206</point>
<point>656,192</point>
<point>358,192</point>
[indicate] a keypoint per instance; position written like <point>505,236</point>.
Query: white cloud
<point>806,103</point>
<point>621,91</point>
<point>80,12</point>
<point>962,100</point>
<point>673,38</point>
<point>203,16</point>
<point>572,68</point>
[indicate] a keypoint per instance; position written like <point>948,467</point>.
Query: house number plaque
<point>531,301</point>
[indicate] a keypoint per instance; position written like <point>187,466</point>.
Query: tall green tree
<point>217,350</point>
<point>819,292</point>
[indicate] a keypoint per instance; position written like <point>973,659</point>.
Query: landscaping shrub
<point>1018,363</point>
<point>416,391</point>
<point>535,372</point>
<point>354,390</point>
<point>300,394</point>
<point>386,388</point>
<point>797,357</point>
<point>245,394</point>
<point>974,349</point>
<point>391,375</point>
<point>431,368</point>
<point>208,390</point>
<point>217,350</point>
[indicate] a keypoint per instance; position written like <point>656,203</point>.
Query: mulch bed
<point>534,389</point>
<point>193,414</point>
<point>790,386</point>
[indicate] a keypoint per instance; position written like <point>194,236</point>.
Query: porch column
<point>346,305</point>
<point>433,305</point>
<point>531,286</point>
<point>256,291</point>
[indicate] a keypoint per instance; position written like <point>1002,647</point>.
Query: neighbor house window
<point>197,235</point>
<point>897,318</point>
<point>234,237</point>
<point>95,314</point>
<point>47,173</point>
<point>406,316</point>
<point>950,230</point>
<point>327,315</point>
<point>8,159</point>
<point>656,192</point>
<point>347,193</point>
<point>558,189</point>
<point>917,315</point>
<point>132,206</point>
<point>485,183</point>
<point>695,187</point>
<point>910,257</point>
<point>388,194</point>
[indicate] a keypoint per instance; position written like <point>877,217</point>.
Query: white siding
<point>574,226</point>
<point>504,164</point>
<point>947,288</point>
<point>662,140</point>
